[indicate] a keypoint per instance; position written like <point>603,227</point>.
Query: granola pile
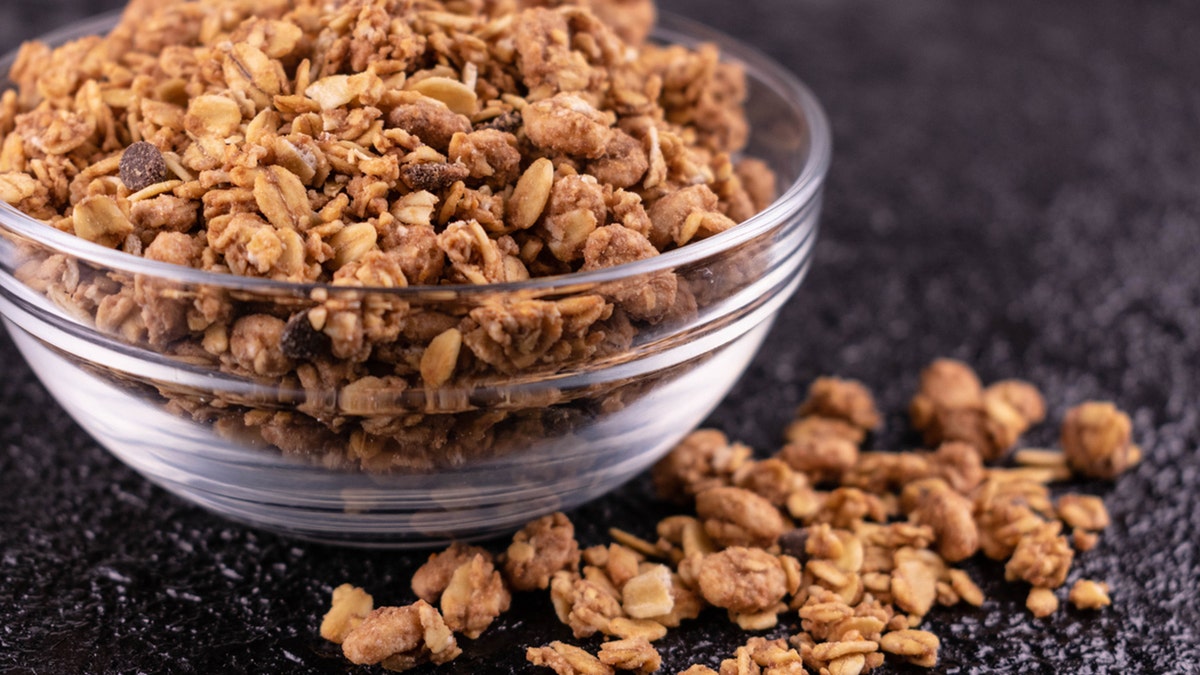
<point>847,549</point>
<point>377,144</point>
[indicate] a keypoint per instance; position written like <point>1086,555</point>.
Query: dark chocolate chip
<point>300,341</point>
<point>433,176</point>
<point>793,543</point>
<point>507,122</point>
<point>142,165</point>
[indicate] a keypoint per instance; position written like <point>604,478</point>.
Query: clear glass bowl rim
<point>671,28</point>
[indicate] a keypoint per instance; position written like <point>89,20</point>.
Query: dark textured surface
<point>1014,183</point>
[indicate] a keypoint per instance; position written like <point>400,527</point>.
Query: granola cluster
<point>377,144</point>
<point>850,556</point>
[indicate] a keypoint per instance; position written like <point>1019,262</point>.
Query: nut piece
<point>1096,440</point>
<point>1041,602</point>
<point>350,606</point>
<point>530,195</point>
<point>633,654</point>
<point>1088,594</point>
<point>431,579</point>
<point>401,638</point>
<point>142,165</point>
<point>744,580</point>
<point>918,647</point>
<point>474,597</point>
<point>736,517</point>
<point>540,549</point>
<point>440,358</point>
<point>648,594</point>
<point>847,400</point>
<point>566,659</point>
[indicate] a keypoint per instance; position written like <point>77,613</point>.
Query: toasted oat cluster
<point>381,142</point>
<point>849,555</point>
<point>378,144</point>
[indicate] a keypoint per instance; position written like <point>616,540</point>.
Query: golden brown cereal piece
<point>950,516</point>
<point>431,579</point>
<point>401,638</point>
<point>918,647</point>
<point>703,460</point>
<point>587,607</point>
<point>1041,602</point>
<point>631,654</point>
<point>349,607</point>
<point>142,165</point>
<point>847,400</point>
<point>1088,594</point>
<point>1021,396</point>
<point>255,343</point>
<point>648,594</point>
<point>822,448</point>
<point>742,579</point>
<point>1096,440</point>
<point>966,588</point>
<point>1042,558</point>
<point>624,627</point>
<point>736,517</point>
<point>945,383</point>
<point>1084,540</point>
<point>1083,512</point>
<point>771,479</point>
<point>566,659</point>
<point>914,587</point>
<point>98,219</point>
<point>540,549</point>
<point>568,124</point>
<point>474,597</point>
<point>960,465</point>
<point>429,120</point>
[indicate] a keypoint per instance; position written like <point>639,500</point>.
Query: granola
<point>852,578</point>
<point>379,144</point>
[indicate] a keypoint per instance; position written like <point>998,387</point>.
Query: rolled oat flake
<point>142,165</point>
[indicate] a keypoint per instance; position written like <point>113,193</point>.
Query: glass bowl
<point>384,461</point>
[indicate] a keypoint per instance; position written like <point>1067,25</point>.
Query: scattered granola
<point>851,575</point>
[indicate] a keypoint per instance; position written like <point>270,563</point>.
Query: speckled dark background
<point>1015,183</point>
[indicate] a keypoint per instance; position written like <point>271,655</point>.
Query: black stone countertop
<point>1015,183</point>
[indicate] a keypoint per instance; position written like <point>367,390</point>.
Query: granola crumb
<point>1088,594</point>
<point>1041,602</point>
<point>349,607</point>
